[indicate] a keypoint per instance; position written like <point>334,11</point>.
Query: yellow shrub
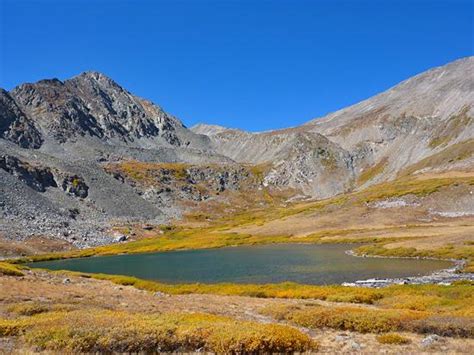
<point>11,327</point>
<point>345,318</point>
<point>392,338</point>
<point>9,269</point>
<point>108,331</point>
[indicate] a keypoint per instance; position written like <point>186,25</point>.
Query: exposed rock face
<point>15,126</point>
<point>35,177</point>
<point>76,186</point>
<point>92,104</point>
<point>169,184</point>
<point>297,158</point>
<point>313,164</point>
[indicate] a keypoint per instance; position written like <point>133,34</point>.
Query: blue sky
<point>254,65</point>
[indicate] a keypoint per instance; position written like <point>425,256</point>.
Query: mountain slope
<point>421,116</point>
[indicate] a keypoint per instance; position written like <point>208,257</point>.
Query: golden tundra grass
<point>392,338</point>
<point>117,331</point>
<point>419,309</point>
<point>9,269</point>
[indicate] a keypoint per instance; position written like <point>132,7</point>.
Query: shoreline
<point>440,277</point>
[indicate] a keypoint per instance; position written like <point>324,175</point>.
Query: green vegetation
<point>259,170</point>
<point>11,327</point>
<point>445,252</point>
<point>27,308</point>
<point>392,338</point>
<point>371,172</point>
<point>115,331</point>
<point>417,187</point>
<point>328,160</point>
<point>451,129</point>
<point>76,181</point>
<point>281,290</point>
<point>147,173</point>
<point>9,269</point>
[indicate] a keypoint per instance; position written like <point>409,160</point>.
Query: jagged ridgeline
<point>79,155</point>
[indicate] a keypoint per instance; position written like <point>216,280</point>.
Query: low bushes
<point>392,338</point>
<point>12,327</point>
<point>108,331</point>
<point>27,309</point>
<point>345,318</point>
<point>445,326</point>
<point>370,320</point>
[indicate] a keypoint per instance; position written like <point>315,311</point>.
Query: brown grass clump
<point>392,338</point>
<point>27,308</point>
<point>445,325</point>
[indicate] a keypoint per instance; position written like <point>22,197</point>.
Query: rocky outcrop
<point>35,177</point>
<point>15,126</point>
<point>314,165</point>
<point>75,186</point>
<point>174,183</point>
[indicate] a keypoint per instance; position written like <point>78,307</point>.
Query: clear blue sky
<point>248,64</point>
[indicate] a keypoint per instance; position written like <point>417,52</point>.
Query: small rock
<point>430,340</point>
<point>160,294</point>
<point>355,345</point>
<point>121,238</point>
<point>66,281</point>
<point>342,337</point>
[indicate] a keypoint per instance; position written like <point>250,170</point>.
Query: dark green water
<point>302,263</point>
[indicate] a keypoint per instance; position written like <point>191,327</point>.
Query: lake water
<point>302,263</point>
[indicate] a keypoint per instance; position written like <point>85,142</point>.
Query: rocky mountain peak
<point>94,79</point>
<point>90,104</point>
